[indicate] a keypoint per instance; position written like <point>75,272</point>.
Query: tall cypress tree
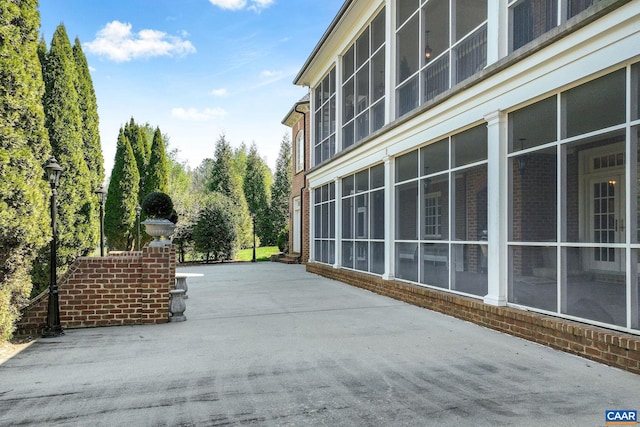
<point>221,179</point>
<point>281,189</point>
<point>157,171</point>
<point>255,191</point>
<point>139,142</point>
<point>24,148</point>
<point>77,229</point>
<point>226,180</point>
<point>90,121</point>
<point>122,197</point>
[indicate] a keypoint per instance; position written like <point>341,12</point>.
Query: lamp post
<point>138,210</point>
<point>253,219</point>
<point>102,195</point>
<point>53,328</point>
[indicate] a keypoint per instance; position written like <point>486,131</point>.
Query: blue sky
<point>196,68</point>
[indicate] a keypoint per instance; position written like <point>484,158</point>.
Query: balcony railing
<point>471,54</point>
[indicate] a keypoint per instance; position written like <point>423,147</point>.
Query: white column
<point>497,226</point>
<point>312,221</point>
<point>338,224</point>
<point>338,95</point>
<point>390,49</point>
<point>389,220</point>
<point>497,30</point>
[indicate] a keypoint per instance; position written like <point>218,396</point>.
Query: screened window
<point>363,220</point>
<point>433,55</point>
<point>325,119</point>
<point>363,86</point>
<point>324,209</point>
<point>441,213</point>
<point>569,201</point>
<point>532,18</point>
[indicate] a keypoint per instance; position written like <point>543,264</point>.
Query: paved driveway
<point>268,345</point>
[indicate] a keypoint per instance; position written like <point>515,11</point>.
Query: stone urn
<point>177,306</point>
<point>160,229</point>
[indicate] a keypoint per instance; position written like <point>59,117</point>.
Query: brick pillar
<point>157,279</point>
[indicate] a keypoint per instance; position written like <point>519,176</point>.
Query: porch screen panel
<point>435,51</point>
<point>573,202</point>
<point>531,19</point>
<point>363,83</point>
<point>534,277</point>
<point>325,118</point>
<point>363,220</point>
<point>596,105</point>
<point>441,213</point>
<point>593,295</point>
<point>470,219</point>
<point>324,223</point>
<point>533,192</point>
<point>576,6</point>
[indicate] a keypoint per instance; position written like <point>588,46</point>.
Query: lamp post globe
<point>53,328</point>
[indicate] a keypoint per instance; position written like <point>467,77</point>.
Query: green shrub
<point>283,239</point>
<point>157,205</point>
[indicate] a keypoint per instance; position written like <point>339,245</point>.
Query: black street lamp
<point>138,210</point>
<point>253,218</point>
<point>102,195</point>
<point>53,328</point>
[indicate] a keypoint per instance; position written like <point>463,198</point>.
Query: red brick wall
<point>598,344</point>
<point>298,182</point>
<point>125,288</point>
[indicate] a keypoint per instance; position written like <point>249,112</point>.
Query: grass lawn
<point>262,254</point>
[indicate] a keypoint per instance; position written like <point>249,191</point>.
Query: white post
<point>497,190</point>
<point>389,219</point>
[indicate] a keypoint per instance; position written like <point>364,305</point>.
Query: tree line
<point>48,108</point>
<point>216,203</point>
<point>219,201</point>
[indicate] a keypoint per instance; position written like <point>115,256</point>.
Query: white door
<point>606,220</point>
<point>296,225</point>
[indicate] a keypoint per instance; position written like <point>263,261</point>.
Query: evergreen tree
<point>77,224</point>
<point>255,191</point>
<point>214,232</point>
<point>254,182</point>
<point>24,148</point>
<point>90,122</point>
<point>225,180</point>
<point>221,179</point>
<point>281,189</point>
<point>157,170</point>
<point>122,198</point>
<point>137,137</point>
<point>186,203</point>
<point>201,176</point>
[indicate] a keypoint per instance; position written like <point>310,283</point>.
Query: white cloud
<point>255,5</point>
<point>268,77</point>
<point>219,92</point>
<point>195,115</point>
<point>117,42</point>
<point>268,74</point>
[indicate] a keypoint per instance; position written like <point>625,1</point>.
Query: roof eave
<point>343,10</point>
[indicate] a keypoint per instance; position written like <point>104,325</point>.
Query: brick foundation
<point>601,345</point>
<point>124,288</point>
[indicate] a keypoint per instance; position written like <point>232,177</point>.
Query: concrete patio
<point>268,344</point>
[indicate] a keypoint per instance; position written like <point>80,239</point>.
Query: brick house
<point>483,151</point>
<point>298,120</point>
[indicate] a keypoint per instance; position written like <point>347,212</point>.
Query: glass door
<point>606,221</point>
